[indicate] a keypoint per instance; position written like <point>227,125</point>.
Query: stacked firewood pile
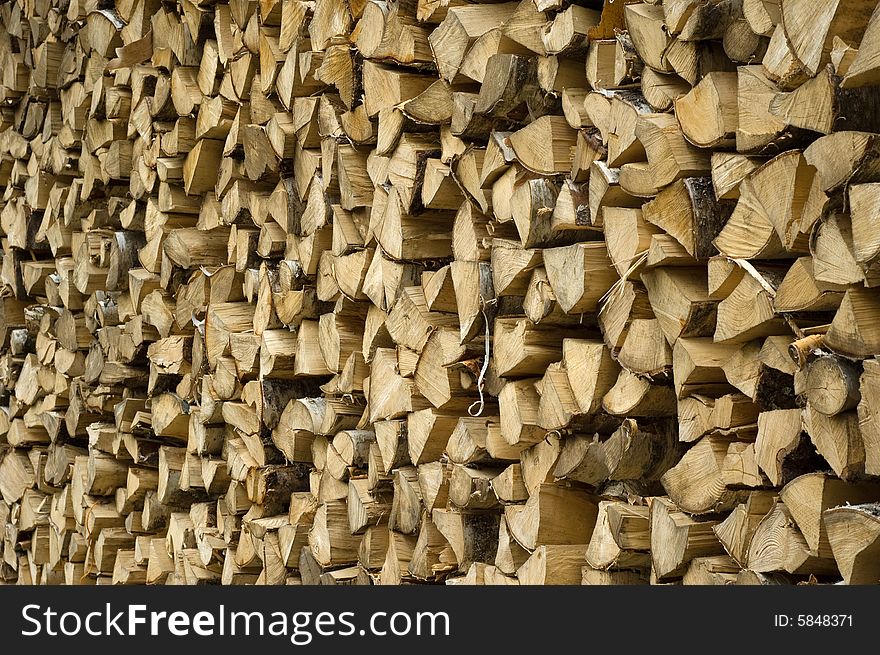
<point>375,292</point>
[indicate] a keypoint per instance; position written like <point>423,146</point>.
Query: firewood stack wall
<point>428,291</point>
